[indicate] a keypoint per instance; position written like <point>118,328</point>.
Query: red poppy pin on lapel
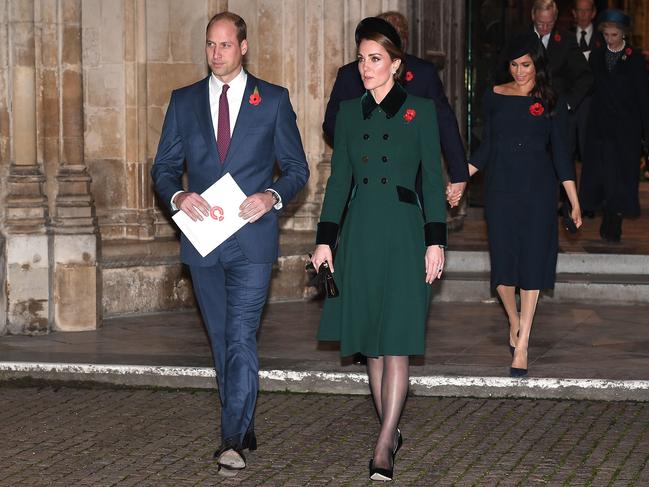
<point>409,76</point>
<point>255,98</point>
<point>536,109</point>
<point>409,115</point>
<point>557,37</point>
<point>627,52</point>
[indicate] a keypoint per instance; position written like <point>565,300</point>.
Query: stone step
<point>588,278</point>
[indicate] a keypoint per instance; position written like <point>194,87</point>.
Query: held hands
<point>255,206</point>
<point>434,261</point>
<point>321,254</point>
<point>454,193</point>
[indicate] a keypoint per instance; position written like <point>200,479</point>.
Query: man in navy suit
<point>422,79</point>
<point>232,122</point>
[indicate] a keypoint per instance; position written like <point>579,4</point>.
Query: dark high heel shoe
<point>516,372</point>
<point>398,444</point>
<point>382,474</point>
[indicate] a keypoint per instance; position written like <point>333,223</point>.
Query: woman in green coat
<point>390,249</point>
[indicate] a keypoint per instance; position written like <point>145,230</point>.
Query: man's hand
<point>454,192</point>
<point>255,206</point>
<point>192,204</point>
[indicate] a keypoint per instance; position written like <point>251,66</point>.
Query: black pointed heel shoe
<point>398,444</point>
<point>381,474</point>
<point>516,372</point>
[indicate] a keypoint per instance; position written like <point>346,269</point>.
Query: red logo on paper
<point>216,212</point>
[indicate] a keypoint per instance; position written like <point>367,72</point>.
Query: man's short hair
<point>592,3</point>
<point>239,24</point>
<point>544,5</point>
<point>399,22</point>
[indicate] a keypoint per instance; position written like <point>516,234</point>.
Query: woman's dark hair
<point>543,89</point>
<point>394,51</point>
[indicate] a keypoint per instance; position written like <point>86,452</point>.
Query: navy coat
<point>264,134</point>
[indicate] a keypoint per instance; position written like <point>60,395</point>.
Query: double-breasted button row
<point>383,180</point>
<point>366,159</point>
<point>367,136</point>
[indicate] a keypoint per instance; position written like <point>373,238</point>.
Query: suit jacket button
<point>384,158</point>
<point>364,180</point>
<point>366,136</point>
<point>386,136</point>
<point>384,180</point>
<point>365,159</point>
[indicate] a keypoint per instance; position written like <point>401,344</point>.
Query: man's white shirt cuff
<point>174,207</point>
<point>278,205</point>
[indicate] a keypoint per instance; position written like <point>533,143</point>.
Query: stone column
<point>25,216</point>
<point>75,277</point>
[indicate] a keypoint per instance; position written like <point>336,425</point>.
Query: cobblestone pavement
<point>64,436</point>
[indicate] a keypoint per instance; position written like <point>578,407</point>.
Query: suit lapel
<point>205,118</point>
<point>244,119</point>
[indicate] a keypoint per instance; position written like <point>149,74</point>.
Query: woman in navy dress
<point>524,150</point>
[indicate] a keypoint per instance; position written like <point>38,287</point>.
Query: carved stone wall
<point>84,86</point>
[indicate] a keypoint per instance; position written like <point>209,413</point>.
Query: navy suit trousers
<point>231,296</point>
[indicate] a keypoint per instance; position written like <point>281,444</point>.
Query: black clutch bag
<point>325,278</point>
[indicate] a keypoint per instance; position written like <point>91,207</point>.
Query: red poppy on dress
<point>409,115</point>
<point>409,75</point>
<point>557,37</point>
<point>628,51</point>
<point>536,109</point>
<point>255,98</point>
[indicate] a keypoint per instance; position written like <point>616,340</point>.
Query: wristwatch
<point>274,195</point>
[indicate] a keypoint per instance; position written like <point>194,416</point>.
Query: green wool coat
<point>379,264</point>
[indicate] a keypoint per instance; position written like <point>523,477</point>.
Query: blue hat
<point>616,16</point>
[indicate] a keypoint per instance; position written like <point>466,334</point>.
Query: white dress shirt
<point>235,97</point>
<point>545,39</point>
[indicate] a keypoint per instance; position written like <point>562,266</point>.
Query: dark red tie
<point>223,126</point>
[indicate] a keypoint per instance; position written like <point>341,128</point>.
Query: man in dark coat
<point>422,79</point>
<point>569,71</point>
<point>588,38</point>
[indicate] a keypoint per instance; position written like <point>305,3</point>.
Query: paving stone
<point>64,436</point>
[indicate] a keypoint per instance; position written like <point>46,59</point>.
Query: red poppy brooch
<point>627,52</point>
<point>536,109</point>
<point>255,98</point>
<point>557,37</point>
<point>409,115</point>
<point>409,76</point>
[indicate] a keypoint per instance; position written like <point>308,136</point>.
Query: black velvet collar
<point>390,104</point>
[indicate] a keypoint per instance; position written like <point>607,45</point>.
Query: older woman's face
<point>614,37</point>
<point>522,70</point>
<point>375,65</point>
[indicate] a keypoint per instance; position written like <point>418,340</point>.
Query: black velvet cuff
<point>435,233</point>
<point>327,234</point>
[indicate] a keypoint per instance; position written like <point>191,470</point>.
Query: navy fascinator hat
<point>522,44</point>
<point>616,16</point>
<point>371,25</point>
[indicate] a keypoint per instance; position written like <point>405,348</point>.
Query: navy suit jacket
<point>425,82</point>
<point>263,134</point>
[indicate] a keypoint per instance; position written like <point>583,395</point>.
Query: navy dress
<point>523,153</point>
